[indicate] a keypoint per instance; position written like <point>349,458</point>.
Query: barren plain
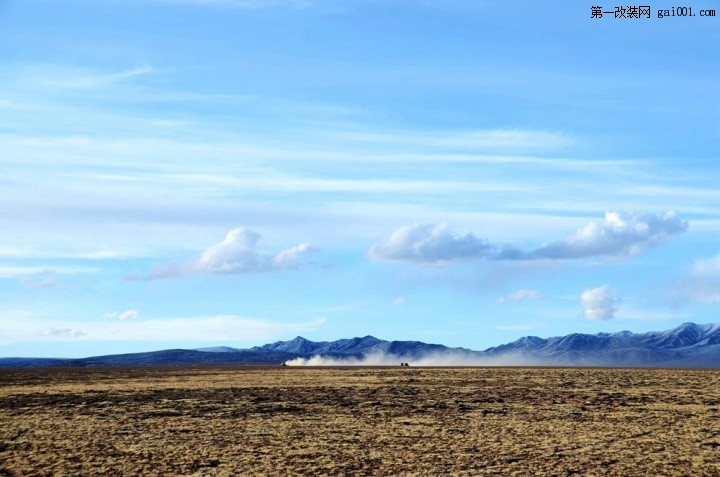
<point>359,421</point>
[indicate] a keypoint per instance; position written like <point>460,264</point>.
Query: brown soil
<point>359,421</point>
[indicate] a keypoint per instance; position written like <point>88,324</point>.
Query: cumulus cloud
<point>122,316</point>
<point>617,236</point>
<point>597,304</point>
<point>237,253</point>
<point>521,295</point>
<point>429,243</point>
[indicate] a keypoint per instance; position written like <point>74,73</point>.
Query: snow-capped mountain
<point>688,345</point>
<point>352,347</point>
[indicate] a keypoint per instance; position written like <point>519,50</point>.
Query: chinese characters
<point>622,12</point>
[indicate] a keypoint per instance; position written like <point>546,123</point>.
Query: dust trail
<point>432,359</point>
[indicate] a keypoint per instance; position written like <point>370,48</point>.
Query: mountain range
<point>688,345</point>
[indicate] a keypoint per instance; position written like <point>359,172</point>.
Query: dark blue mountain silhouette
<point>688,345</point>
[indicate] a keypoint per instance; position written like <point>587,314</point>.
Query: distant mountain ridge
<point>355,347</point>
<point>688,345</point>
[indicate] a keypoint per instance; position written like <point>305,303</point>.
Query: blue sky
<point>187,173</point>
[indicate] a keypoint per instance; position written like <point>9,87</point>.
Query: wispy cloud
<point>243,4</point>
<point>707,267</point>
<point>39,281</point>
<point>56,78</point>
<point>63,333</point>
<point>401,300</point>
<point>28,271</point>
<point>219,328</point>
<point>215,328</point>
<point>521,295</point>
<point>521,327</point>
<point>701,285</point>
<point>492,139</point>
<point>72,252</point>
<point>630,313</point>
<point>122,316</point>
<point>152,153</point>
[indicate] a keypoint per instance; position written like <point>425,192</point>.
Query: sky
<point>191,173</point>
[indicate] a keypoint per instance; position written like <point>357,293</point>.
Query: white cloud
<point>39,281</point>
<point>220,328</point>
<point>234,254</point>
<point>41,277</point>
<point>229,4</point>
<point>597,304</point>
<point>62,333</point>
<point>237,254</point>
<point>39,251</point>
<point>55,78</point>
<point>488,139</point>
<point>707,267</point>
<point>705,291</point>
<point>629,313</point>
<point>401,300</point>
<point>129,315</point>
<point>125,315</point>
<point>521,295</point>
<point>290,257</point>
<point>429,244</point>
<point>48,89</point>
<point>245,4</point>
<point>702,285</point>
<point>526,327</point>
<point>618,236</point>
<point>20,271</point>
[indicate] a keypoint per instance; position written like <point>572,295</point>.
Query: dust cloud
<point>433,359</point>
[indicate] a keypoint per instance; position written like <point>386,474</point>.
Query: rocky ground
<point>359,421</point>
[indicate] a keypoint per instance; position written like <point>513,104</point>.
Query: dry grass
<point>359,421</point>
